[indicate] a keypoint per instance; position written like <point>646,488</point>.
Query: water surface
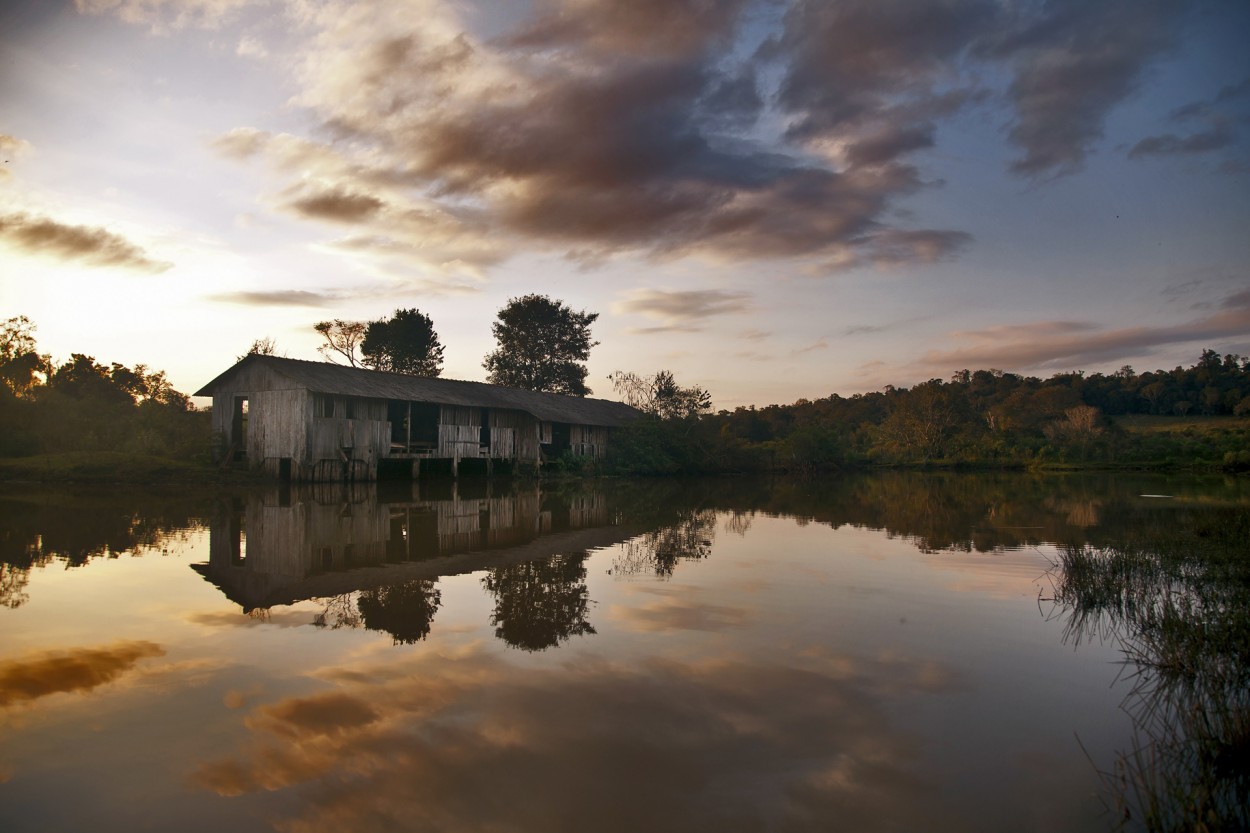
<point>878,653</point>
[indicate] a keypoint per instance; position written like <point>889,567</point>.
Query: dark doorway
<point>561,438</point>
<point>238,428</point>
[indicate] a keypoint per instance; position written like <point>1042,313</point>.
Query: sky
<point>774,199</point>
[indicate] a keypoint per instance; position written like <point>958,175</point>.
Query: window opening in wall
<point>484,432</point>
<point>349,408</point>
<point>323,406</point>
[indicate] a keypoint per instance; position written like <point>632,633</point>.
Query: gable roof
<point>323,377</point>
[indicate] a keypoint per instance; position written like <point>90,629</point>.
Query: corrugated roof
<point>323,377</point>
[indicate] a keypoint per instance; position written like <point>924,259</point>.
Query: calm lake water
<point>863,653</point>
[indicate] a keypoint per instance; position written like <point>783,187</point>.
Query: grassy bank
<point>115,467</point>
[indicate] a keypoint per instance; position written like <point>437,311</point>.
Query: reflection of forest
<point>71,529</point>
<point>286,545</point>
<point>948,510</point>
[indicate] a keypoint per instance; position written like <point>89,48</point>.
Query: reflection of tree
<point>659,551</point>
<point>1180,611</point>
<point>13,582</point>
<point>539,604</point>
<point>339,612</point>
<point>405,610</point>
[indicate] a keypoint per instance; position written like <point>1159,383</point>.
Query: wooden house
<point>318,421</point>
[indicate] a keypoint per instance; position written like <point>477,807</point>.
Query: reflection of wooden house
<point>305,543</point>
<point>317,421</point>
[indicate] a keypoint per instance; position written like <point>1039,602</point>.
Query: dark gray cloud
<point>682,310</point>
<point>1172,145</point>
<point>336,205</point>
<point>873,65</point>
<point>1217,114</point>
<point>609,27</point>
<point>88,245</point>
<point>739,129</point>
<point>279,298</point>
<point>1072,64</point>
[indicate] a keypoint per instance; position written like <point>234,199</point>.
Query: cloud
<point>1172,145</point>
<point>682,310</point>
<point>1072,65</point>
<point>1069,344</point>
<point>12,147</point>
<point>336,205</point>
<point>812,348</point>
<point>250,47</point>
<point>162,15</point>
<point>1218,135</point>
<point>591,127</point>
<point>76,670</point>
<point>89,245</point>
<point>866,72</point>
<point>279,298</point>
<point>733,130</point>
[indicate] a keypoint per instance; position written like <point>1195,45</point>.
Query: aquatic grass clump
<point>1179,609</point>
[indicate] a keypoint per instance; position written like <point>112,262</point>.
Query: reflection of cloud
<point>282,618</point>
<point>678,612</point>
<point>1066,343</point>
<point>472,742</point>
<point>80,669</point>
<point>89,245</point>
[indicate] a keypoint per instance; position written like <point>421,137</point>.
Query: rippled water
<point>870,653</point>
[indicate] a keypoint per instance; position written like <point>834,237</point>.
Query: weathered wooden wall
<point>276,425</point>
<point>513,436</point>
<point>588,440</point>
<point>367,434</point>
<point>459,433</point>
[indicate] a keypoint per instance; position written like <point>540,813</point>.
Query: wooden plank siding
<point>588,440</point>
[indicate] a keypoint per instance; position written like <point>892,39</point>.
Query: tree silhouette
<point>406,343</point>
<point>342,338</point>
<point>660,394</point>
<point>542,345</point>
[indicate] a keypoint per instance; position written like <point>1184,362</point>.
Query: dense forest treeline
<point>978,418</point>
<point>82,405</point>
<point>985,418</point>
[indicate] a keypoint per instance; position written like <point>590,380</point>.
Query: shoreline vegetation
<point>675,448</point>
<point>82,421</point>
